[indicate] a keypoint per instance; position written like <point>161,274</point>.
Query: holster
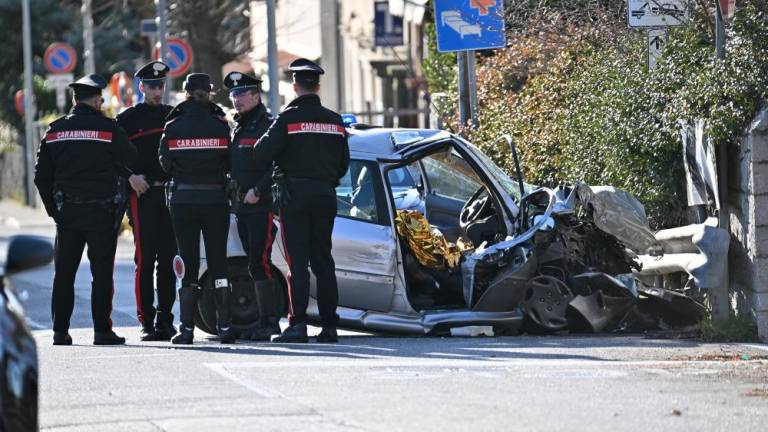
<point>235,197</point>
<point>120,202</point>
<point>281,193</point>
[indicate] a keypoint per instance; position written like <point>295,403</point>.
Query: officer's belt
<point>199,186</point>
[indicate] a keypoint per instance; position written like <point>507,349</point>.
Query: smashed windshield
<point>510,186</point>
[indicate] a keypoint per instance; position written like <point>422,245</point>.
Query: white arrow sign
<point>657,38</point>
<point>657,13</point>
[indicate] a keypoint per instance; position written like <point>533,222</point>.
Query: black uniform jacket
<point>307,142</point>
<point>82,154</point>
<point>144,125</point>
<point>251,174</point>
<point>194,150</point>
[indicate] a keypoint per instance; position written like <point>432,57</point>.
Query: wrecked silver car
<point>431,235</point>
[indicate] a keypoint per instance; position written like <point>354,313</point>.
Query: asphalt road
<point>376,383</point>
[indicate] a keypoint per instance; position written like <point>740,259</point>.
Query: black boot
<point>296,333</point>
<point>185,336</point>
<point>188,296</point>
<point>147,332</point>
<point>62,338</point>
<point>164,331</point>
<point>265,299</point>
<point>224,314</point>
<point>107,338</point>
<point>328,335</point>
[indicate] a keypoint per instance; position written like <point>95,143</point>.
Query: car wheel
<point>545,303</point>
<point>245,309</point>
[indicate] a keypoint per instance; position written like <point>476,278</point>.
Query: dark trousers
<point>189,220</point>
<point>306,226</point>
<point>257,233</point>
<point>155,246</point>
<point>76,227</point>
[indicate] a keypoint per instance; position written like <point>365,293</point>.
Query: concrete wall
<point>748,210</point>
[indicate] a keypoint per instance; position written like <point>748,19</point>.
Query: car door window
<point>356,192</point>
<point>449,175</point>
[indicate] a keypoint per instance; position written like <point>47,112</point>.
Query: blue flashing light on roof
<point>348,119</point>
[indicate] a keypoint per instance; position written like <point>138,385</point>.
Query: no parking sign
<point>179,56</point>
<point>60,58</point>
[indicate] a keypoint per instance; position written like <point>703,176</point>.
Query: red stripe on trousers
<point>112,295</point>
<point>269,239</point>
<point>288,259</point>
<point>137,254</point>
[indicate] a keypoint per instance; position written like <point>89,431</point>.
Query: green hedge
<point>583,106</point>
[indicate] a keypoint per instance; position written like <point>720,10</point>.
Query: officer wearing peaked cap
<point>254,212</point>
<point>81,166</point>
<point>194,151</point>
<point>150,218</point>
<point>308,144</point>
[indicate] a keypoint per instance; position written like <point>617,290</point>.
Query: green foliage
<point>440,71</point>
<point>582,105</point>
<point>738,328</point>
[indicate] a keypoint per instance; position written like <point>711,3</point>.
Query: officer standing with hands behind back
<point>308,144</point>
<point>194,152</point>
<point>149,216</point>
<point>254,212</point>
<point>80,172</point>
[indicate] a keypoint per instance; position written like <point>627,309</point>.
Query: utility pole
<point>88,52</point>
<point>161,30</point>
<point>274,80</point>
<point>29,108</point>
<point>720,297</point>
<point>719,32</point>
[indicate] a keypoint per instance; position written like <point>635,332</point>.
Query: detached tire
<point>245,308</point>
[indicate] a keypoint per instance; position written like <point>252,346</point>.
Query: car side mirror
<point>27,252</point>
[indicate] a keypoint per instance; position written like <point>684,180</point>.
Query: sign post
<point>59,82</point>
<point>656,16</point>
<point>463,27</point>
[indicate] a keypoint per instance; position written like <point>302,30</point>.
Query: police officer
<point>80,172</point>
<point>308,145</point>
<point>194,152</point>
<point>149,216</point>
<point>254,213</point>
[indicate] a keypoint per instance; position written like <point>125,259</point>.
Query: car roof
<point>378,142</point>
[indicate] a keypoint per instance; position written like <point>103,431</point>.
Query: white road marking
<point>124,356</point>
<point>757,346</point>
<point>221,369</point>
<point>458,363</point>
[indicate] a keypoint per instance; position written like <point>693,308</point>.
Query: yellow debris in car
<point>427,243</point>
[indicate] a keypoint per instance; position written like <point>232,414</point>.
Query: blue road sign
<point>179,57</point>
<point>389,28</point>
<point>464,25</point>
<point>59,58</point>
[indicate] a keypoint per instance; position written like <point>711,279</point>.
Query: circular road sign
<point>179,56</point>
<point>60,58</point>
